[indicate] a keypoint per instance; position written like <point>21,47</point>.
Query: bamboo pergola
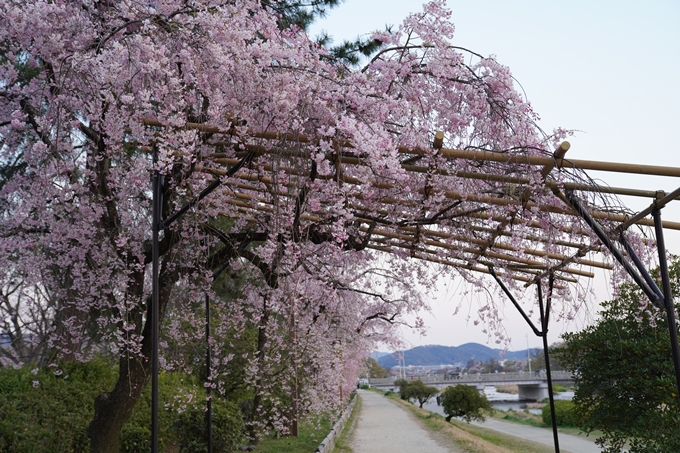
<point>271,173</point>
<point>275,174</point>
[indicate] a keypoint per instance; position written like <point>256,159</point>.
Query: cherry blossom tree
<point>339,169</point>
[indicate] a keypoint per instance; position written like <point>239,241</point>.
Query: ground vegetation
<point>464,401</point>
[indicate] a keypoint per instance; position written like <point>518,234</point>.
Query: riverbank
<point>570,438</point>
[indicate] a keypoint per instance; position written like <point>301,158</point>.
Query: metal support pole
<point>157,205</point>
<point>576,204</point>
<point>544,327</point>
<point>514,302</point>
<point>545,317</point>
<point>668,299</point>
<point>641,267</point>
<point>208,361</point>
<point>157,224</point>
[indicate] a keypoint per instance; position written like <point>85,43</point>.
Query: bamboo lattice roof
<point>469,234</point>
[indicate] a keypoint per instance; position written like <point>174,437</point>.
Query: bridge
<point>532,386</point>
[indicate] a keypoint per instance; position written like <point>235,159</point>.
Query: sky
<point>609,70</point>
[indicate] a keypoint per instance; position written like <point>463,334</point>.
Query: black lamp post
<point>158,224</point>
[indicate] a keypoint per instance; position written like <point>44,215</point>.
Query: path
<point>383,427</point>
<point>576,444</point>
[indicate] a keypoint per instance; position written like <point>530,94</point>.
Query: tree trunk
<point>68,343</point>
<point>113,409</point>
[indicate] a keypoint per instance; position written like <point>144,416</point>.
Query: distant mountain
<point>377,354</point>
<point>449,355</point>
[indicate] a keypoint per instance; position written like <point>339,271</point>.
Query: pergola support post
<point>208,389</point>
<point>157,225</point>
<point>545,317</point>
<point>597,229</point>
<point>668,299</point>
<point>661,300</point>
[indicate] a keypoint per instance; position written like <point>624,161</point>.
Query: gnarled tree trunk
<point>114,408</point>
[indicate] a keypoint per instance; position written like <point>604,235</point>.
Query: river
<point>504,401</point>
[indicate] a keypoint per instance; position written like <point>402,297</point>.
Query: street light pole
<point>157,225</point>
<point>528,353</point>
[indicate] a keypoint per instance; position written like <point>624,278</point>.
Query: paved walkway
<point>384,427</point>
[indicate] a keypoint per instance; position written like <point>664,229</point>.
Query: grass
<point>527,418</point>
<point>342,443</point>
<point>508,443</point>
<point>512,389</point>
<point>522,417</point>
<point>311,433</point>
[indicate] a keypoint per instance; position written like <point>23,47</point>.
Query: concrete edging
<point>328,443</point>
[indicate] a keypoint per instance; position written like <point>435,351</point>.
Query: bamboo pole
<point>388,249</point>
<point>617,167</point>
<point>559,153</point>
<point>484,199</point>
<point>444,235</point>
<point>490,254</point>
<point>477,155</point>
<point>517,180</point>
<point>480,269</point>
<point>657,204</point>
<point>539,253</point>
<point>391,235</point>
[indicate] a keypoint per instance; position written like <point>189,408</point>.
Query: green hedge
<point>227,429</point>
<point>40,408</point>
<point>54,406</point>
<point>565,414</point>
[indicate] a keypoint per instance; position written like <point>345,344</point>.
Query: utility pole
<point>528,353</point>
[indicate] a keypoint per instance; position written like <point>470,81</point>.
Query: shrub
<point>54,406</point>
<point>464,401</point>
<point>227,428</point>
<point>51,406</point>
<point>416,391</point>
<point>565,415</point>
<point>135,439</point>
<point>402,384</point>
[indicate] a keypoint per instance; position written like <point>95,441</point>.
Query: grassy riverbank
<point>310,436</point>
<point>527,418</point>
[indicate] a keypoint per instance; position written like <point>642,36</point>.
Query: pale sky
<point>609,70</point>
